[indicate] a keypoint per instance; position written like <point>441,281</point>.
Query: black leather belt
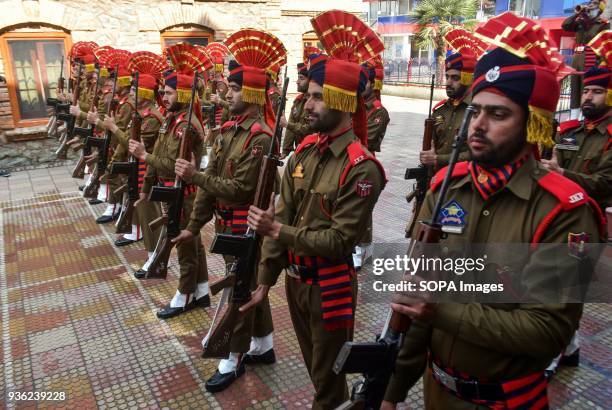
<point>468,389</point>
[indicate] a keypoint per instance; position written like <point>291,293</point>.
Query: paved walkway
<point>74,320</point>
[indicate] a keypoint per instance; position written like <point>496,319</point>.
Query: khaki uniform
<point>160,167</point>
<point>275,97</point>
<point>84,102</point>
<point>378,119</point>
<point>321,218</point>
<point>226,185</point>
<point>497,342</point>
<point>146,211</point>
<point>297,126</point>
<point>123,116</point>
<point>586,158</point>
<point>448,116</point>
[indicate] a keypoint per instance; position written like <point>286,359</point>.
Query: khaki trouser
<point>257,322</point>
<point>191,255</point>
<point>146,212</point>
<point>319,346</point>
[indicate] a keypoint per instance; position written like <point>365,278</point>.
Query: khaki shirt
<point>319,217</point>
<point>160,164</point>
<point>448,117</point>
<point>233,169</point>
<point>499,341</point>
<point>586,161</point>
<point>378,119</point>
<point>149,129</point>
<point>297,126</point>
<point>123,117</point>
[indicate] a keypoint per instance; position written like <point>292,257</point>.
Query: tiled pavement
<point>74,320</point>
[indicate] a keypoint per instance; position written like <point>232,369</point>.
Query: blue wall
<point>549,8</point>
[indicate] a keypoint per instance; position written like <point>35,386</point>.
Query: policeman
<point>297,127</point>
<point>192,289</point>
<point>448,113</point>
<point>227,188</point>
<point>330,186</point>
<point>478,355</point>
<point>378,118</point>
<point>583,149</point>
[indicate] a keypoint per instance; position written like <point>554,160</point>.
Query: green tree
<point>435,18</point>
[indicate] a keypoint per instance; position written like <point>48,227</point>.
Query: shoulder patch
<point>565,126</point>
<point>461,169</point>
<point>307,141</point>
<point>438,105</point>
<point>256,129</point>
<point>569,194</point>
<point>357,154</point>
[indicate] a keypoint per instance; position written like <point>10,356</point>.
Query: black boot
<point>219,382</point>
<point>265,358</point>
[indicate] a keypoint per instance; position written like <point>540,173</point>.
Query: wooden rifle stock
<point>245,249</point>
<point>158,222</point>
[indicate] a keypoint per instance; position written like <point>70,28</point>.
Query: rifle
<point>211,112</point>
<point>245,249</point>
<point>422,173</point>
<point>376,360</point>
<point>69,119</point>
<point>102,145</point>
<point>129,168</point>
<point>86,133</point>
<point>173,196</point>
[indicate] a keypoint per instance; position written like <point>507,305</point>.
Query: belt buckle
<point>444,378</point>
<point>293,271</point>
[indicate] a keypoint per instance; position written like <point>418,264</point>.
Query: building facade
<point>35,35</point>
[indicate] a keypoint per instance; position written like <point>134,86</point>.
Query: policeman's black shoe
<point>95,201</point>
<point>140,274</point>
<point>265,358</point>
<point>81,188</point>
<point>4,173</point>
<point>572,360</point>
<point>204,301</point>
<point>548,374</point>
<point>107,218</point>
<point>219,382</point>
<point>169,312</point>
<point>124,242</point>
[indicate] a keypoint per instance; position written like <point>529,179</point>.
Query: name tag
<point>567,147</point>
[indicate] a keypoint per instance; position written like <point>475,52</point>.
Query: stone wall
<point>31,154</point>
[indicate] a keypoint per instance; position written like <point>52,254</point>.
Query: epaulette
<point>569,194</point>
<point>438,105</point>
<point>357,154</point>
<point>149,113</point>
<point>306,142</point>
<point>256,129</point>
<point>377,104</point>
<point>299,97</point>
<point>461,169</point>
<point>565,126</point>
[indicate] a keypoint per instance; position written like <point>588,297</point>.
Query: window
<point>310,39</point>
<point>32,63</point>
<point>200,37</point>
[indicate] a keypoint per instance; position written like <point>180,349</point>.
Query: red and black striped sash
<point>142,170</point>
<point>189,188</point>
<point>233,217</point>
<point>334,279</point>
<point>529,392</point>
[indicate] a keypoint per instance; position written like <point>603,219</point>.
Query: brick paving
<point>73,319</point>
